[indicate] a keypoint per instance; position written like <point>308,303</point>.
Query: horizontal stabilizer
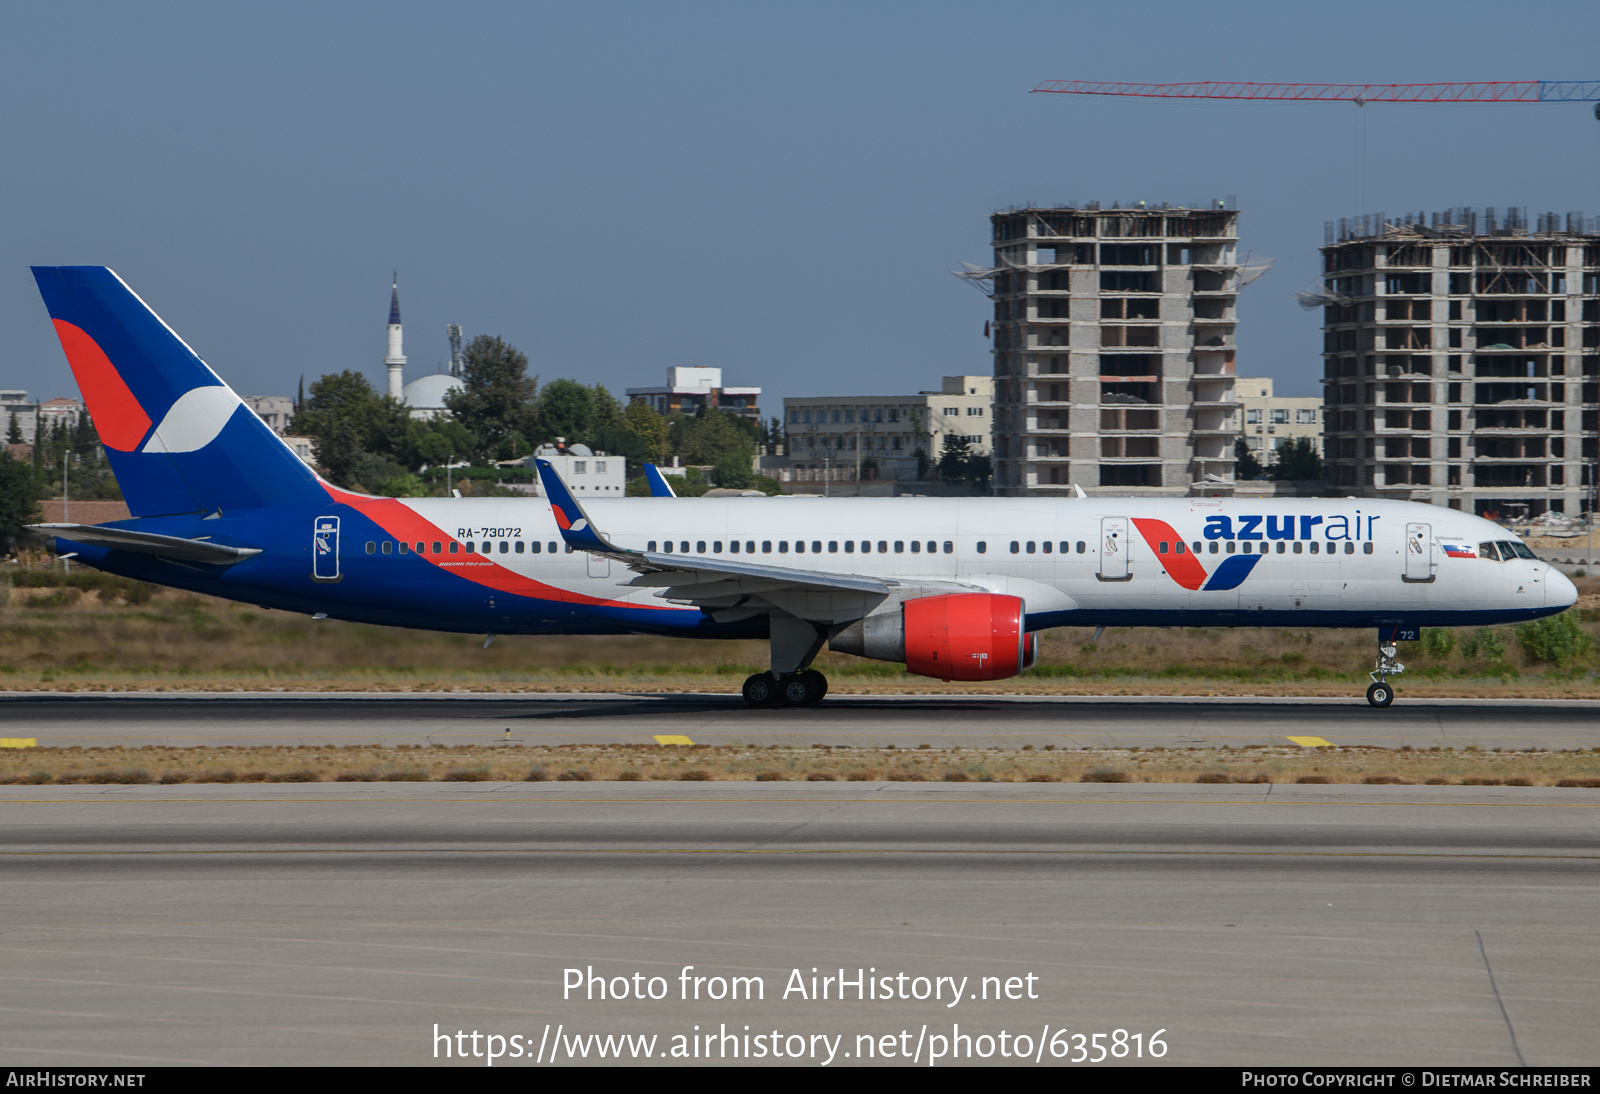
<point>148,543</point>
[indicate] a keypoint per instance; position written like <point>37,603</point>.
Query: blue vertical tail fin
<point>178,438</point>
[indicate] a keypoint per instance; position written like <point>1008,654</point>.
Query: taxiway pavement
<point>874,721</point>
<point>348,923</point>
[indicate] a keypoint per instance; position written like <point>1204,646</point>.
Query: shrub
<point>1211,777</point>
<point>1559,640</point>
<point>1315,780</point>
<point>629,777</point>
<point>300,775</point>
<point>768,777</point>
<point>695,775</point>
<point>1105,775</point>
<point>1483,643</point>
<point>575,776</point>
<point>537,775</point>
<point>1438,642</point>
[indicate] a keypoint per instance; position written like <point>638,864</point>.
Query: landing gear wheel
<point>1380,695</point>
<point>819,682</point>
<point>796,690</point>
<point>804,689</point>
<point>761,690</point>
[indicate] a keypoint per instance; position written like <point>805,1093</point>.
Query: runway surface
<point>1067,721</point>
<point>339,924</point>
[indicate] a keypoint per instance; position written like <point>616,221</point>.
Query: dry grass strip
<point>752,763</point>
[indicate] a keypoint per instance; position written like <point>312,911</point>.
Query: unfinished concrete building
<point>1113,349</point>
<point>1461,353</point>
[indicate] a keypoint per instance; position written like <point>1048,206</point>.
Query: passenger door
<point>1419,553</point>
<point>1115,547</point>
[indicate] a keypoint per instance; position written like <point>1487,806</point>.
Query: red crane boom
<point>1492,91</point>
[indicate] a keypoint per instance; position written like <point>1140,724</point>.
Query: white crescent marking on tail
<point>194,420</point>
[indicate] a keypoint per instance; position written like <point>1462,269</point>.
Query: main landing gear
<point>791,682</point>
<point>792,689</point>
<point>1381,693</point>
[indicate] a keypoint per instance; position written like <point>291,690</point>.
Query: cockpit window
<point>1486,550</point>
<point>1514,549</point>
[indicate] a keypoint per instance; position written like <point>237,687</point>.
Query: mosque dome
<point>428,393</point>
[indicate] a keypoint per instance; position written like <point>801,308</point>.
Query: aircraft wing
<point>148,543</point>
<point>728,588</point>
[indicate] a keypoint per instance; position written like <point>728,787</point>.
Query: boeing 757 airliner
<point>956,589</point>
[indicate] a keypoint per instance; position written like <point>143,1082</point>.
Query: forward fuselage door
<point>1115,547</point>
<point>1419,553</point>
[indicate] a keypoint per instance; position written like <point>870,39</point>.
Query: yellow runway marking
<point>672,739</point>
<point>1310,742</point>
<point>19,742</point>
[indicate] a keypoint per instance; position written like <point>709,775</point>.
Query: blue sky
<point>776,189</point>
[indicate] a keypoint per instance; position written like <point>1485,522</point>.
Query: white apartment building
<point>885,434</point>
<point>1268,419</point>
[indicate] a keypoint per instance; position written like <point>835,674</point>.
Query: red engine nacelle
<point>966,636</point>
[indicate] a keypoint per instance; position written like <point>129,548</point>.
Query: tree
<point>1245,464</point>
<point>14,430</point>
<point>497,396</point>
<point>733,471</point>
<point>348,420</point>
<point>643,420</point>
<point>607,411</point>
<point>1296,460</point>
<point>566,409</point>
<point>710,435</point>
<point>20,490</point>
<point>954,458</point>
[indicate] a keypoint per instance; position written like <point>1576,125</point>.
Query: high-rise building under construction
<point>1114,348</point>
<point>1461,353</point>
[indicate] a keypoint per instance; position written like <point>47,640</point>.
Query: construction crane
<point>1491,91</point>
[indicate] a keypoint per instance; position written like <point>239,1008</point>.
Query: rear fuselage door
<point>1419,552</point>
<point>325,549</point>
<point>1115,547</point>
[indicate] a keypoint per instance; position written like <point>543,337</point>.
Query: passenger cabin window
<point>404,547</point>
<point>982,547</point>
<point>520,547</point>
<point>916,546</point>
<point>372,548</point>
<point>1082,547</point>
<point>700,547</point>
<point>387,547</point>
<point>949,547</point>
<point>1030,546</point>
<point>684,546</point>
<point>472,548</point>
<point>437,547</point>
<point>534,546</point>
<point>883,546</point>
<point>455,548</point>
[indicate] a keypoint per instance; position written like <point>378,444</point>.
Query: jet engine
<point>956,636</point>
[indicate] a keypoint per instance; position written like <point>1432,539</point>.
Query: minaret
<point>396,359</point>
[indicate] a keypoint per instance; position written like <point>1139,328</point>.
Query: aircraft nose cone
<point>1559,591</point>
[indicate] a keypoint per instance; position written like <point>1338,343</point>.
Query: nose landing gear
<point>1381,693</point>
